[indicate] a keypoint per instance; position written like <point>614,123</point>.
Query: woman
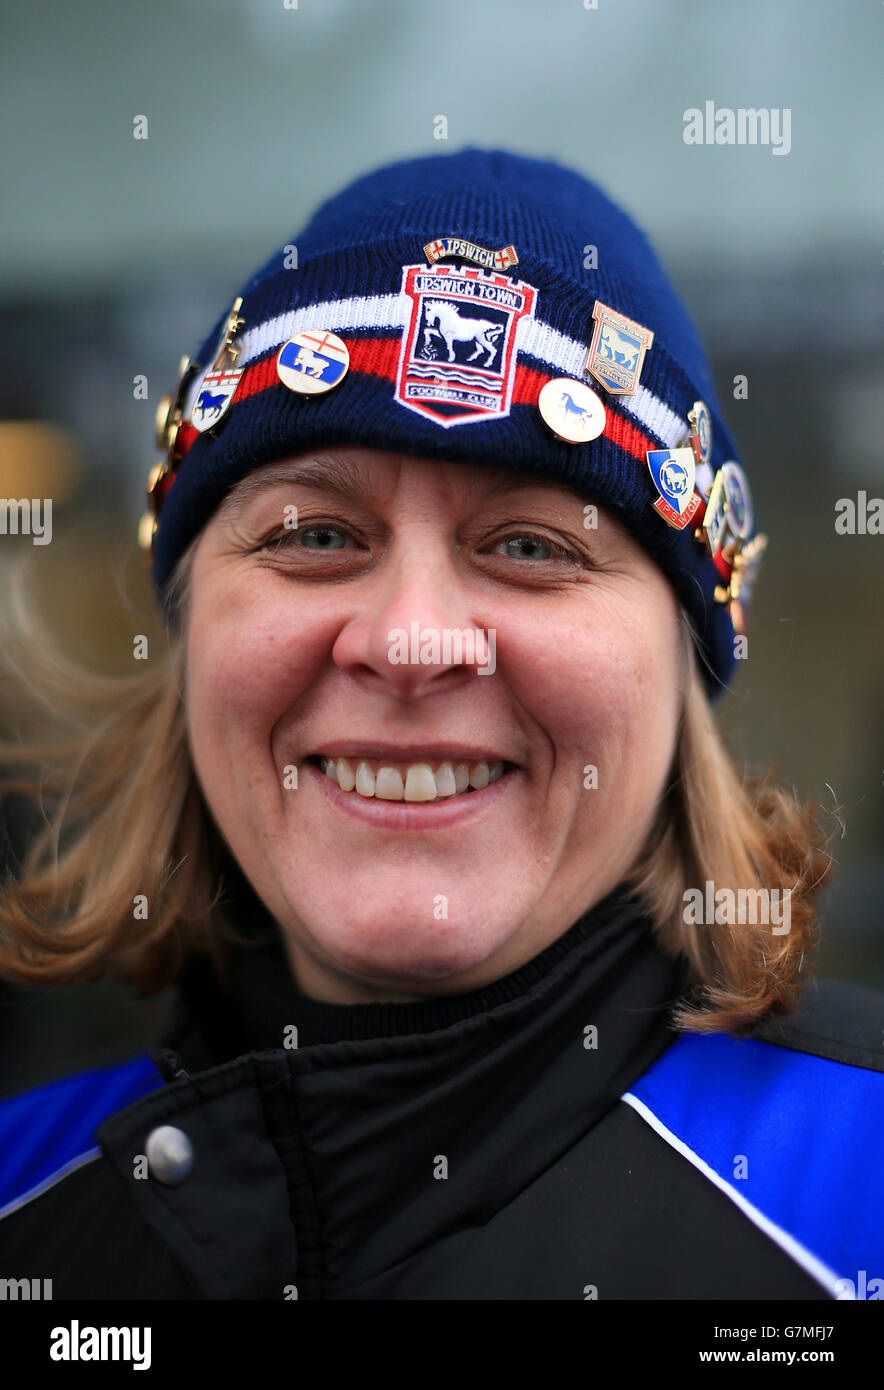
<point>477,928</point>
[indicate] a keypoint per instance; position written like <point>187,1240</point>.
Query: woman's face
<point>413,612</point>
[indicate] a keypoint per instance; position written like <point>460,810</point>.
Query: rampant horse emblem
<point>443,318</point>
<point>208,405</point>
<point>458,356</point>
<point>616,347</point>
<point>571,407</point>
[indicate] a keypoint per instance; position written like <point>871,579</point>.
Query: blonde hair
<point>124,817</point>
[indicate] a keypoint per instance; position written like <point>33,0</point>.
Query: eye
<point>529,539</point>
<point>326,536</point>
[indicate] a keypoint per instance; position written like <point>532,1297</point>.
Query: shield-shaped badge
<point>458,356</point>
<point>215,393</point>
<point>674,472</point>
<point>617,350</point>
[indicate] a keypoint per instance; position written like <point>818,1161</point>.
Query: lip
<point>412,815</point>
<point>411,752</point>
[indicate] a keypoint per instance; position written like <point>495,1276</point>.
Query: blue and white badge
<point>701,432</point>
<point>215,394</point>
<point>673,472</point>
<point>738,500</point>
<point>617,350</point>
<point>572,410</point>
<point>312,362</point>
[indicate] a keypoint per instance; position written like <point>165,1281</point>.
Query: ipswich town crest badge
<point>458,356</point>
<point>617,350</point>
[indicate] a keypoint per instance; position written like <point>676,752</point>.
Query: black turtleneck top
<point>609,954</point>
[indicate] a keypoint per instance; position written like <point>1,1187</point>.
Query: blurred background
<point>118,253</point>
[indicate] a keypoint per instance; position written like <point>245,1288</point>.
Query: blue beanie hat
<point>568,290</point>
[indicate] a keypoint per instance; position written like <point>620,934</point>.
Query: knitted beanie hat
<point>481,307</point>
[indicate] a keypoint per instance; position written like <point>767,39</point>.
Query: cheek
<point>642,701</point>
<point>249,660</point>
<point>602,683</point>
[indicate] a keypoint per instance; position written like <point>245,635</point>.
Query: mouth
<point>438,810</point>
<point>414,781</point>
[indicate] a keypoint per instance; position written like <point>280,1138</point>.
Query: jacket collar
<point>417,1120</point>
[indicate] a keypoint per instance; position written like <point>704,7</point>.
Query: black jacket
<point>471,1147</point>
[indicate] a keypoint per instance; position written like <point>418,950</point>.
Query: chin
<point>408,952</point>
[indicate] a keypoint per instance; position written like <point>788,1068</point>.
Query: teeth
<point>421,783</point>
<point>445,781</point>
<point>388,784</point>
<point>364,778</point>
<point>479,776</point>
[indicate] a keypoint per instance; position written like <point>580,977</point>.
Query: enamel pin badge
<point>312,362</point>
<point>218,386</point>
<point>457,362</point>
<point>617,350</point>
<point>469,251</point>
<point>738,500</point>
<point>215,396</point>
<point>674,472</point>
<point>572,410</point>
<point>700,422</point>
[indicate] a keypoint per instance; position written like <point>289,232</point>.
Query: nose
<point>415,634</point>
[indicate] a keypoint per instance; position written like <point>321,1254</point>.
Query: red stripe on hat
<point>372,356</point>
<point>379,357</point>
<point>526,391</point>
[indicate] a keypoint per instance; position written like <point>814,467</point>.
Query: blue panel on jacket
<point>43,1130</point>
<point>810,1130</point>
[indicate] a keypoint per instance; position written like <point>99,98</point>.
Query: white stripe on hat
<point>568,355</point>
<point>533,336</point>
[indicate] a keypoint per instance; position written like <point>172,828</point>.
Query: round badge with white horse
<point>572,410</point>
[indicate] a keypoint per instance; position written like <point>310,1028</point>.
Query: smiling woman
<point>516,862</point>
<point>461,919</point>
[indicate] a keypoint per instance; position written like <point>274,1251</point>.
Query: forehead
<point>374,473</point>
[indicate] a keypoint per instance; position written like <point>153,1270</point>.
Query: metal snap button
<point>169,1155</point>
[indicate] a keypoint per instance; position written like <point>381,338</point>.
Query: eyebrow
<point>348,478</point>
<point>343,476</point>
